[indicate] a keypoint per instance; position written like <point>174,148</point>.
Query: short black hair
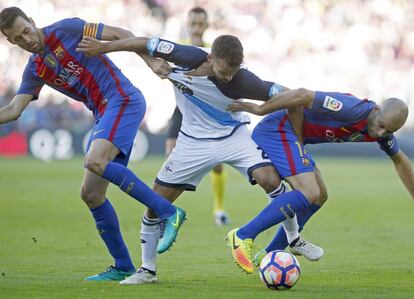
<point>9,15</point>
<point>228,47</point>
<point>198,9</point>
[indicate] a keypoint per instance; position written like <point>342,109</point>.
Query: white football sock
<point>291,228</point>
<point>150,234</point>
<point>278,191</point>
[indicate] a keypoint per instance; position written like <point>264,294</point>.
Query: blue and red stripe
<point>286,146</point>
<point>121,91</point>
<point>86,78</point>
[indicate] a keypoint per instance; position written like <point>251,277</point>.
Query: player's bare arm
<point>405,171</point>
<point>284,100</point>
<point>13,110</point>
<point>92,47</point>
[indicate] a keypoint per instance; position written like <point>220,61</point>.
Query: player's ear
<point>32,22</point>
<point>209,58</point>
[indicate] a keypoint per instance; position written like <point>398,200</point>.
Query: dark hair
<point>198,9</point>
<point>228,47</point>
<point>9,15</point>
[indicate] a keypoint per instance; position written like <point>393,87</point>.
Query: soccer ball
<point>279,270</point>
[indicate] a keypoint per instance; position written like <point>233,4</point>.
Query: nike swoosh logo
<point>290,208</point>
<point>234,243</point>
<point>177,220</point>
<point>42,72</point>
<point>94,133</point>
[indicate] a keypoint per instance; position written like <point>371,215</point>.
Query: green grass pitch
<point>48,243</point>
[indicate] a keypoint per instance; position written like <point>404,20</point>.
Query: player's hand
<point>160,67</point>
<point>90,46</point>
<point>244,106</point>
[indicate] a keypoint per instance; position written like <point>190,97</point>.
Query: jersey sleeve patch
<point>165,47</point>
<point>332,104</point>
<point>90,29</point>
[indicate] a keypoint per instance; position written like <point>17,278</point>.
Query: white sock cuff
<point>278,191</point>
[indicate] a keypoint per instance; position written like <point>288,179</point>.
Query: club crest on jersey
<point>50,61</point>
<point>332,104</point>
<point>165,47</point>
<point>59,52</point>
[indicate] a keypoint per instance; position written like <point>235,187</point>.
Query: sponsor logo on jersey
<point>50,61</point>
<point>331,137</point>
<point>165,47</point>
<point>69,75</point>
<point>42,71</point>
<point>59,52</point>
<point>182,88</point>
<point>332,104</point>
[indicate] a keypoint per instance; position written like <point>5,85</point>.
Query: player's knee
<point>312,194</point>
<point>218,168</point>
<point>323,197</point>
<point>268,180</point>
<point>97,166</point>
<point>92,198</point>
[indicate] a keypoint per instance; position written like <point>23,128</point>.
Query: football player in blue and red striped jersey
<point>117,105</point>
<point>316,117</point>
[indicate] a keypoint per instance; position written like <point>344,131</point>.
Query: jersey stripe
<point>286,147</point>
<point>121,91</point>
<point>86,78</point>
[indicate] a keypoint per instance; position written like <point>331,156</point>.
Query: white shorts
<point>192,159</point>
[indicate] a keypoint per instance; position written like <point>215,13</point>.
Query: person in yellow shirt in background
<point>197,23</point>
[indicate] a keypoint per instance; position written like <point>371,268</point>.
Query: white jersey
<point>203,107</point>
<point>203,100</point>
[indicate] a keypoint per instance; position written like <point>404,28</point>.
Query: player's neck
<point>42,41</point>
<point>203,70</point>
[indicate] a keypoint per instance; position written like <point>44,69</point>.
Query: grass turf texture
<point>48,243</point>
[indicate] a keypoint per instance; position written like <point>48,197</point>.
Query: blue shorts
<point>119,124</point>
<point>275,137</point>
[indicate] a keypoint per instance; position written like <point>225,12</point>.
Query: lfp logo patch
<point>332,104</point>
<point>165,47</point>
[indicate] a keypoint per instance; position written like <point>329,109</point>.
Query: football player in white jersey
<point>204,84</point>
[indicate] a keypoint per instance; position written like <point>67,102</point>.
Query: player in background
<point>204,84</point>
<point>197,23</point>
<point>315,117</point>
<point>117,106</point>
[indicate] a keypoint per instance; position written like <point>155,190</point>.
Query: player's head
<point>21,30</point>
<point>387,118</point>
<point>226,57</point>
<point>197,21</point>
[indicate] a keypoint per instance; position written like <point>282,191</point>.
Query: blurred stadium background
<point>358,46</point>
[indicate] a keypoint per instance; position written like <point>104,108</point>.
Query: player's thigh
<point>93,189</point>
<point>188,163</point>
<point>118,126</point>
<point>307,183</point>
<point>282,147</point>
